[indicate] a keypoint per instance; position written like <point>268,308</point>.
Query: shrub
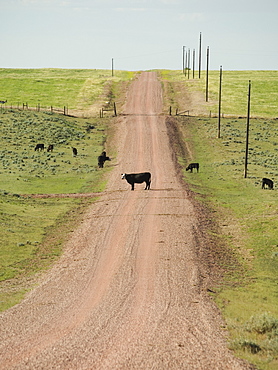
<point>262,324</point>
<point>246,345</point>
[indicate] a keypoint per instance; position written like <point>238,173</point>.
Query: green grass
<point>74,88</point>
<point>32,237</point>
<point>245,213</point>
<point>247,216</point>
<point>29,239</point>
<point>24,170</point>
<point>24,223</point>
<point>27,223</point>
<point>264,89</point>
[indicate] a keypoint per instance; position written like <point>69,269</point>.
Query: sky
<point>138,34</point>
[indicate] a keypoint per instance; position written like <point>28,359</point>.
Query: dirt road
<point>128,293</point>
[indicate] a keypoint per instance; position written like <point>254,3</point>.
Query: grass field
<point>74,88</point>
<point>245,213</point>
<point>29,238</point>
<point>27,223</point>
<point>247,216</point>
<point>25,170</point>
<point>264,88</point>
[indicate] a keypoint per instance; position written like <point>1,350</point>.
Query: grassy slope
<point>25,222</point>
<point>75,88</point>
<point>264,87</point>
<point>246,214</point>
<point>29,239</point>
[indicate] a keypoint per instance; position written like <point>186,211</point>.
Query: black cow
<point>39,147</point>
<point>102,158</point>
<point>50,148</point>
<point>138,178</point>
<point>191,166</point>
<point>267,182</point>
<point>74,151</point>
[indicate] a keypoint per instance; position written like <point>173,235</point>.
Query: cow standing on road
<point>138,178</point>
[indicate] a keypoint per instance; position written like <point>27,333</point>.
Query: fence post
<point>170,110</point>
<point>115,110</point>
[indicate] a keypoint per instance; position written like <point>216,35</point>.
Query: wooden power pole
<point>247,130</point>
<point>219,105</point>
<point>207,74</point>
<point>200,54</point>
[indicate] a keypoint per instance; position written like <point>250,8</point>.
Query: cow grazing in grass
<point>102,158</point>
<point>39,147</point>
<point>191,166</point>
<point>74,151</point>
<point>138,178</point>
<point>267,182</point>
<point>50,148</point>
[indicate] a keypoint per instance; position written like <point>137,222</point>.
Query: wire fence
<point>38,108</point>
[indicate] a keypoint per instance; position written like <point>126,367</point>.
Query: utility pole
<point>188,62</point>
<point>200,52</point>
<point>112,67</point>
<point>193,66</point>
<point>207,74</point>
<point>219,107</point>
<point>183,67</point>
<point>247,130</point>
